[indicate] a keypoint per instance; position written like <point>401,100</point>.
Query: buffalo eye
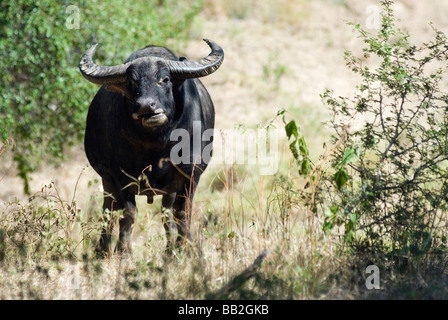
<point>133,83</point>
<point>133,74</point>
<point>164,80</point>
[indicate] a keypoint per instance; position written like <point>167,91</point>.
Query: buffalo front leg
<point>168,220</point>
<point>126,226</point>
<point>111,203</point>
<point>182,217</point>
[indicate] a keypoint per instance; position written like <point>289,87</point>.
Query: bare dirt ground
<point>278,54</point>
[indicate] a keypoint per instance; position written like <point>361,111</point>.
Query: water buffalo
<point>128,135</point>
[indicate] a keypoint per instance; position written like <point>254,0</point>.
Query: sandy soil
<point>303,40</point>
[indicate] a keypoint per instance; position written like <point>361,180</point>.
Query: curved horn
<point>196,69</point>
<point>178,69</point>
<point>101,75</point>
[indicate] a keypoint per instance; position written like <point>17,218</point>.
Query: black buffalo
<point>128,138</point>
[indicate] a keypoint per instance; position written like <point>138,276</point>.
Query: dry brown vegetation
<point>279,54</point>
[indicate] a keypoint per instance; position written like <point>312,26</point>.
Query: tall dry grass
<point>46,246</point>
<point>46,249</point>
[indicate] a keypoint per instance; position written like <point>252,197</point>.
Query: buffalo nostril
<point>146,104</point>
<point>152,107</point>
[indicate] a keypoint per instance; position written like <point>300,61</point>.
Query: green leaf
<point>353,218</point>
<point>341,177</point>
<point>349,155</point>
<point>294,149</point>
<point>292,129</point>
<point>305,167</point>
<point>349,236</point>
<point>329,223</point>
<point>281,112</point>
<point>334,209</point>
<point>303,147</point>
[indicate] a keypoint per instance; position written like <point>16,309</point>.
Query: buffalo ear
<point>177,84</point>
<point>120,88</point>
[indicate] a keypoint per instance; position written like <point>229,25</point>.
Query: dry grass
<point>47,250</point>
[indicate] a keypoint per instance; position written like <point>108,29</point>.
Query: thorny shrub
<point>385,184</point>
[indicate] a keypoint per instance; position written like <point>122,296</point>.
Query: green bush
<point>44,99</point>
<point>386,183</point>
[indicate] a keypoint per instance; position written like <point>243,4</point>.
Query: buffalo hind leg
<point>182,214</point>
<point>176,220</point>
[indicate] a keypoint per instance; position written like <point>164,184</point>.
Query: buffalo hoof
<point>102,250</point>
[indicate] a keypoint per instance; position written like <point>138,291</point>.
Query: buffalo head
<point>148,82</point>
